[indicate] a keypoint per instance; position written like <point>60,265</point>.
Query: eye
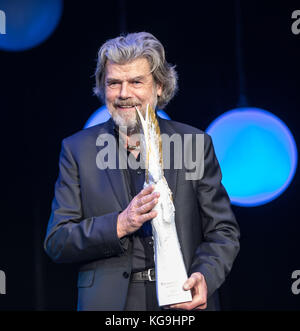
<point>112,84</point>
<point>137,82</point>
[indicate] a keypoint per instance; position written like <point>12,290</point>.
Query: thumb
<point>189,283</point>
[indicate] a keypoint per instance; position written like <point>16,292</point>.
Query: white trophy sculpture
<point>169,265</point>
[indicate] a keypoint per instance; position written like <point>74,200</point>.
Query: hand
<point>138,212</point>
<point>197,284</point>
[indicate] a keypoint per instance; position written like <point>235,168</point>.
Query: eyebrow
<point>116,80</point>
<point>138,78</point>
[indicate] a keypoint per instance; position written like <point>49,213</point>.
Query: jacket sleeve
<point>69,237</point>
<point>215,255</point>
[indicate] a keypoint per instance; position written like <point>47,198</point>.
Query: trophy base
<point>171,292</point>
<point>170,275</point>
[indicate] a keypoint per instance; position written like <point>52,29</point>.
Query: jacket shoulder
<point>180,127</point>
<point>84,136</point>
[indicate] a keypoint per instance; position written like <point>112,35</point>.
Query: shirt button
<point>151,243</point>
<point>139,172</point>
<point>125,274</point>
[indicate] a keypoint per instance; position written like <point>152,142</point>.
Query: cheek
<point>110,95</point>
<point>146,95</point>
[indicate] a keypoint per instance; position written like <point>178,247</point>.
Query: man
<point>100,217</point>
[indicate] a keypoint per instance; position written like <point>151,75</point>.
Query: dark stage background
<point>46,95</point>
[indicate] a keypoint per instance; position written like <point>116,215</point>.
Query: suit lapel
<point>116,176</point>
<point>171,173</point>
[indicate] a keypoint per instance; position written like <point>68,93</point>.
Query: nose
<point>124,91</point>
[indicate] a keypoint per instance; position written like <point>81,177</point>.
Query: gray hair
<point>129,47</point>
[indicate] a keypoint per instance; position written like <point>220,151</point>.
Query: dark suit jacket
<point>82,226</point>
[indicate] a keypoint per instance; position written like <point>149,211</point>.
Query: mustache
<point>130,103</point>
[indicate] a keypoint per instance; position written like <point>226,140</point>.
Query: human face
<point>128,86</point>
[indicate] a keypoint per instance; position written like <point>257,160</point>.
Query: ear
<point>159,90</point>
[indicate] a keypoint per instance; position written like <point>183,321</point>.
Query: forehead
<point>137,67</point>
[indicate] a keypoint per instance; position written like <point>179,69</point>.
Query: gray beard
<point>130,126</point>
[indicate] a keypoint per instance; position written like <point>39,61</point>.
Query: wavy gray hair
<point>129,47</point>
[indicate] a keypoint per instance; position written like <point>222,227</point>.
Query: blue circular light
<point>29,22</point>
<point>257,154</point>
<point>163,115</point>
<point>102,115</point>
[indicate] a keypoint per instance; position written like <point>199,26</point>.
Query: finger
<point>189,283</point>
<point>148,216</point>
<point>189,307</point>
<point>195,304</point>
<point>200,307</point>
<point>147,207</point>
<point>146,190</point>
<point>147,198</point>
<point>183,306</point>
